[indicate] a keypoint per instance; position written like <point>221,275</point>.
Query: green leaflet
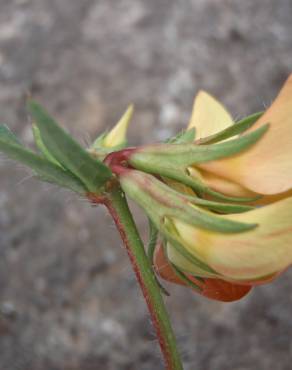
<point>45,169</point>
<point>185,155</point>
<point>41,146</point>
<point>236,129</point>
<point>68,152</point>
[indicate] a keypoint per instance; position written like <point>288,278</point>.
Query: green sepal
<point>160,201</point>
<point>98,151</point>
<point>153,235</point>
<point>174,239</point>
<point>225,208</point>
<point>43,168</point>
<point>98,142</point>
<point>185,155</point>
<point>183,137</point>
<point>236,129</point>
<point>68,152</point>
<point>185,278</point>
<point>185,264</point>
<point>99,147</point>
<point>182,175</point>
<point>152,242</point>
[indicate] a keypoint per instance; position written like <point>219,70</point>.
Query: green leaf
<point>45,169</point>
<point>68,152</point>
<point>236,129</point>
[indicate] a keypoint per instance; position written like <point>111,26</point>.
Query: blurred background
<point>68,298</point>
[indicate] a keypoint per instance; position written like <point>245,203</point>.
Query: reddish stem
<point>151,307</point>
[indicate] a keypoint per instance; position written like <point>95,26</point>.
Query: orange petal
<point>216,289</point>
<point>227,187</point>
<point>265,168</point>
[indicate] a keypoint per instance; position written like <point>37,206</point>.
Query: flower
<point>266,168</point>
<point>240,260</point>
<point>219,263</point>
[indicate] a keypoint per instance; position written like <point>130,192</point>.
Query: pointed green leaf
<point>68,152</point>
<point>236,129</point>
<point>46,170</point>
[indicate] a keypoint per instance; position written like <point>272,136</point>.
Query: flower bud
<point>116,138</point>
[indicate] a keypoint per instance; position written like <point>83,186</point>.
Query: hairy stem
<point>118,208</point>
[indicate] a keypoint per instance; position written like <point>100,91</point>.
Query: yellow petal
<point>225,186</point>
<point>208,116</point>
<point>185,265</point>
<point>250,255</point>
<point>266,167</point>
<point>117,135</point>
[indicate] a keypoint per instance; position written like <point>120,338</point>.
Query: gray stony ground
<point>68,299</point>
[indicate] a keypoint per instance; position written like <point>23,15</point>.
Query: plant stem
<point>118,207</point>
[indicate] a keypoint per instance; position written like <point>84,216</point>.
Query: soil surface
<point>68,298</point>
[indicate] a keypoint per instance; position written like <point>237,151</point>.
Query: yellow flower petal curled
<point>208,116</point>
<point>250,255</point>
<point>265,168</point>
<point>117,136</point>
